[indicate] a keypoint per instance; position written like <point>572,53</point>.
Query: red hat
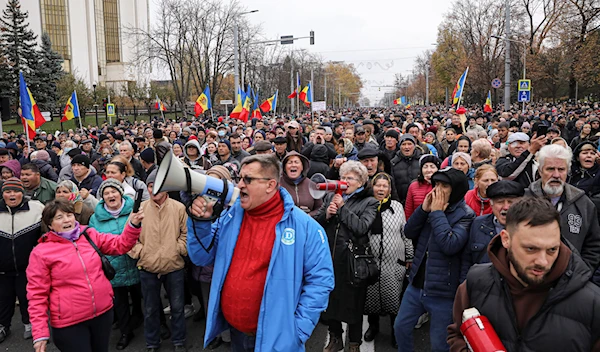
<point>220,119</point>
<point>461,110</point>
<point>192,137</point>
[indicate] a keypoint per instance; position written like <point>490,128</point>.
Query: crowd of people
<point>428,193</point>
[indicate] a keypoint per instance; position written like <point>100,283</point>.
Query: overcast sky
<point>380,37</point>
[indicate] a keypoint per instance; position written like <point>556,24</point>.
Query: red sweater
<point>242,292</point>
<point>479,206</point>
<point>415,197</point>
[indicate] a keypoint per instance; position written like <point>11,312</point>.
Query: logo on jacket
<point>289,236</point>
<point>574,223</point>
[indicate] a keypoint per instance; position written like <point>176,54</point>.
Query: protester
<point>121,170</point>
<point>11,168</point>
<point>520,164</point>
<point>20,226</point>
<point>83,209</point>
<point>37,187</point>
<point>536,292</point>
<point>393,252</point>
<point>111,216</point>
<point>63,269</point>
<point>477,198</point>
<point>294,179</point>
<point>266,206</point>
<point>419,188</point>
<point>405,165</point>
<point>347,219</point>
<point>84,177</point>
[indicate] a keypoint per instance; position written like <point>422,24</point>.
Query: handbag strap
<point>87,237</point>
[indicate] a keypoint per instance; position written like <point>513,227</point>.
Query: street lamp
<point>236,54</point>
<point>524,61</point>
<point>95,104</point>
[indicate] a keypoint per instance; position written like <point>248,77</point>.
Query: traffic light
<point>104,102</point>
<point>312,37</point>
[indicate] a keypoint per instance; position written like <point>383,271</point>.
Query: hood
<point>303,159</point>
<point>194,143</point>
<point>319,153</point>
<point>40,163</point>
<point>14,166</point>
<point>456,178</point>
<point>569,273</point>
<point>571,194</point>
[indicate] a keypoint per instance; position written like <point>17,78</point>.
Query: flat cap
<point>262,146</point>
<point>505,188</point>
<point>518,137</point>
<point>367,153</point>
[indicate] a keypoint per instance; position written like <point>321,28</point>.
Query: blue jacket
<point>442,237</point>
<point>125,266</point>
<point>299,278</point>
<point>481,233</point>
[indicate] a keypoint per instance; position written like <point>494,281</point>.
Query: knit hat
<point>152,177</point>
<point>466,157</point>
<point>147,155</point>
<point>220,172</point>
<point>13,184</point>
<point>42,155</point>
<point>392,133</point>
<point>82,160</point>
<point>407,137</point>
<point>429,158</point>
<point>102,138</point>
<point>111,182</point>
<point>226,142</point>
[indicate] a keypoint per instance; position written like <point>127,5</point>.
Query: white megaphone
<point>320,185</point>
<point>173,176</point>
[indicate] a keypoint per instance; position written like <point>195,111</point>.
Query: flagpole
<point>298,96</point>
<point>463,88</point>
<point>78,112</point>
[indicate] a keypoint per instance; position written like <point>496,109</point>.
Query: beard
<point>554,190</point>
<point>522,272</point>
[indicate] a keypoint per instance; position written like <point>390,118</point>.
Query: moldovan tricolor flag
<point>71,110</point>
<point>270,104</point>
<point>159,105</point>
<point>460,85</point>
<point>203,102</point>
<point>488,103</point>
<point>30,112</point>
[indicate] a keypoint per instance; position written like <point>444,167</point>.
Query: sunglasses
<point>248,179</point>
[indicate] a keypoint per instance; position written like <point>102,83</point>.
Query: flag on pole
<point>71,110</point>
<point>245,113</point>
<point>270,104</point>
<point>237,110</point>
<point>297,90</point>
<point>31,114</point>
<point>397,101</point>
<point>487,107</point>
<point>305,95</point>
<point>159,104</point>
<point>460,85</point>
<point>203,102</point>
<point>255,110</point>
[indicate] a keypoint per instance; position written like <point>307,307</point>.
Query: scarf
<point>377,227</point>
<point>71,235</point>
<point>298,180</point>
<point>345,197</point>
<point>115,213</point>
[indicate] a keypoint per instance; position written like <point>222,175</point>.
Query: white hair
<point>555,151</point>
<point>356,167</point>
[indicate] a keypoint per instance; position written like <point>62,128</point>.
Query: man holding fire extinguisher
<point>536,292</point>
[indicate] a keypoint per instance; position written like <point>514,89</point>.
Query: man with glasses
<point>262,233</point>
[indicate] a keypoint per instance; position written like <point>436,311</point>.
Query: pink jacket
<point>67,278</point>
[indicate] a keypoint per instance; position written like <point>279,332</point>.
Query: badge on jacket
<point>289,236</point>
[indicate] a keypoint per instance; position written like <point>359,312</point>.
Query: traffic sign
<point>226,102</point>
<point>496,83</point>
<point>524,96</point>
<point>110,110</point>
<point>525,85</point>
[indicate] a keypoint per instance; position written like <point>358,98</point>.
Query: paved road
<point>195,335</point>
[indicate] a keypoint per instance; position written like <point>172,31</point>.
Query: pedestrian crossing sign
<point>525,85</point>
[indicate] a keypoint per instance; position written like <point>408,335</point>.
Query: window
<point>111,31</point>
<point>55,22</point>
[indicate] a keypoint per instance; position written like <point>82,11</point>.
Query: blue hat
<point>226,142</point>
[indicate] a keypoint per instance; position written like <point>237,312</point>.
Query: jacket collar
<point>570,194</point>
<point>24,205</point>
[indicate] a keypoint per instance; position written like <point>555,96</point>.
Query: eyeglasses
<point>348,179</point>
<point>248,180</point>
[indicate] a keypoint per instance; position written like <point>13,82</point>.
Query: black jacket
<point>569,319</point>
<point>138,168</point>
<point>46,170</point>
<point>20,230</point>
<point>92,182</point>
<point>522,169</point>
<point>352,221</point>
<point>405,169</point>
<point>319,160</point>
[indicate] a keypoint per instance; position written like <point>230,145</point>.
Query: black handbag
<point>107,267</point>
<point>362,267</point>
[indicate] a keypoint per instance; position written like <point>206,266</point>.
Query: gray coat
<point>353,220</point>
<point>578,222</point>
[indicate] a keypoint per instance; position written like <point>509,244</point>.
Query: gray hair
<point>70,143</point>
<point>555,151</point>
<point>126,144</point>
<point>68,184</point>
<point>483,147</point>
<point>356,167</point>
<point>268,163</point>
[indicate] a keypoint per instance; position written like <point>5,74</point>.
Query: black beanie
<point>455,178</point>
<point>157,134</point>
<point>147,155</point>
<point>81,159</point>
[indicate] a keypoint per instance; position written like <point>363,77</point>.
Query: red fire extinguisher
<point>479,333</point>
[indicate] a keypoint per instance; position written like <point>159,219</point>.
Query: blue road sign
<point>524,96</point>
<point>496,83</point>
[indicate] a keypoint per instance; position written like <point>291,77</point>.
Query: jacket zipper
<point>297,196</point>
<point>12,216</point>
<point>86,277</point>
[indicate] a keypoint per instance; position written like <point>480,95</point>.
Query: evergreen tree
<point>50,71</point>
<point>17,46</point>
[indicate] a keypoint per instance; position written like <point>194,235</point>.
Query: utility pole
<point>292,80</point>
<point>427,83</point>
<point>507,57</point>
<point>236,62</point>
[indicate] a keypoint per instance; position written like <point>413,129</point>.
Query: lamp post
<point>236,54</point>
<point>508,40</point>
<point>95,104</point>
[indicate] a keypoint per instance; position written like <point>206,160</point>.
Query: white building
<point>90,35</point>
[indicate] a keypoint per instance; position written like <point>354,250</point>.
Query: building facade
<point>91,35</point>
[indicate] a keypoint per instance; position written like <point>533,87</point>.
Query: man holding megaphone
<point>272,265</point>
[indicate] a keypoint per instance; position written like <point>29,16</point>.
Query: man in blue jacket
<point>272,265</point>
<point>440,229</point>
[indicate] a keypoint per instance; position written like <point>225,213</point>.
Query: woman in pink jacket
<point>65,277</point>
